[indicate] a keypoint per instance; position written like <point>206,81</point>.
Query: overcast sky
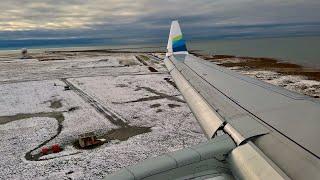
<point>149,20</point>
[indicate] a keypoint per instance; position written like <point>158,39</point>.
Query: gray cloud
<point>149,20</point>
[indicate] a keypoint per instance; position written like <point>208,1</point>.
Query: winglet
<point>176,43</point>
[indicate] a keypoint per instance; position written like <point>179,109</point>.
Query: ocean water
<point>304,51</point>
<point>299,50</point>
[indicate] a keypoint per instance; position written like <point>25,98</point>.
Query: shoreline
<point>263,63</point>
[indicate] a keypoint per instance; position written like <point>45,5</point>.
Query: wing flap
<point>209,120</point>
<point>227,110</point>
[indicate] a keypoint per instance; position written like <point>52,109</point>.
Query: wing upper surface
<point>252,106</point>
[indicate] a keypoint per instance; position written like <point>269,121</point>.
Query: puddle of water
<point>55,104</point>
<point>124,133</point>
<point>73,109</point>
<point>151,69</point>
<point>173,105</point>
<point>103,60</point>
<point>171,82</point>
<point>121,134</point>
<point>121,85</point>
<point>155,105</point>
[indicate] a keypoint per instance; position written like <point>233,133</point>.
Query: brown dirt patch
<point>262,63</point>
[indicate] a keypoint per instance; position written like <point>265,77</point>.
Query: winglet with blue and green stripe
<point>176,43</point>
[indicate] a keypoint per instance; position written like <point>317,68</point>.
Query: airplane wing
<point>255,130</point>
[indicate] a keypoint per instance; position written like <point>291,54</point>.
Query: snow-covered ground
<point>37,111</point>
<point>298,84</point>
<point>28,116</point>
<point>79,66</point>
<point>145,99</point>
